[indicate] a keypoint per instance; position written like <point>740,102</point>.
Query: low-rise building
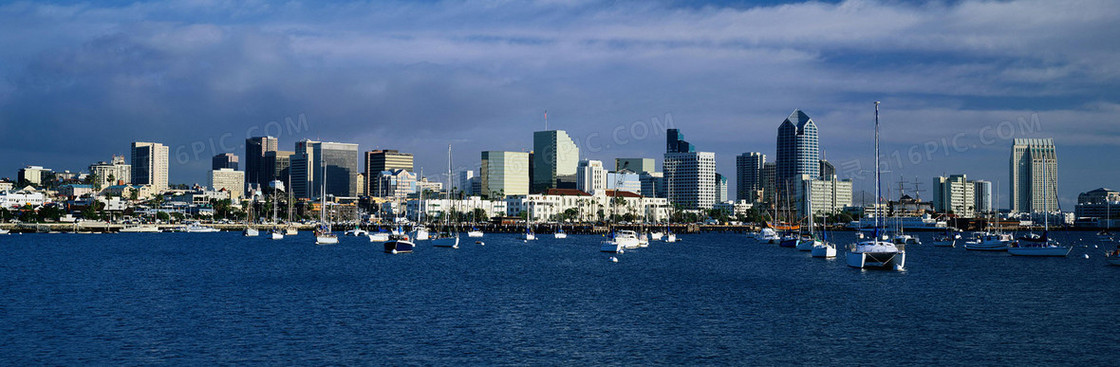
<point>22,198</point>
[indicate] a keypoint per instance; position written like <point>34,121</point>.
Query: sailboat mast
<point>878,190</point>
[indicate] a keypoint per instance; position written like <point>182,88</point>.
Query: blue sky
<point>80,80</point>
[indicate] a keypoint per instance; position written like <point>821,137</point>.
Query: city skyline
<point>956,106</point>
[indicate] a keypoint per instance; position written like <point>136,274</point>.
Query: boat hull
<point>560,235</point>
<point>610,246</point>
<point>398,247</point>
<point>326,240</point>
<point>823,250</point>
<point>788,243</point>
<point>251,232</point>
<point>671,238</point>
<point>276,235</point>
<point>887,260</point>
<point>805,245</point>
<point>449,242</point>
<point>1055,251</point>
<point>474,234</point>
<point>379,237</point>
<point>993,247</point>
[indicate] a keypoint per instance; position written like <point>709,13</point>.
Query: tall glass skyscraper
<point>1034,164</point>
<point>748,176</point>
<point>798,149</point>
<point>554,162</point>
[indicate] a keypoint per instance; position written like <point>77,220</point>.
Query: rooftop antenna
<point>545,120</point>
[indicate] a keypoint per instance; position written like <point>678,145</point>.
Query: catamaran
<point>876,253</point>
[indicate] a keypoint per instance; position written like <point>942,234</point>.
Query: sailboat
<point>529,235</point>
<point>989,240</point>
<point>276,233</point>
<point>323,235</point>
<point>1106,235</point>
<point>474,233</point>
<point>945,240</point>
<point>1040,245</point>
<point>398,242</point>
<point>450,237</point>
<point>670,237</point>
<point>876,253</point>
<point>818,247</point>
<point>249,230</point>
<point>290,230</point>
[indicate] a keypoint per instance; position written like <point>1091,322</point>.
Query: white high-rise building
<point>505,174</point>
<point>555,158</point>
<point>116,172</point>
<point>150,165</point>
<point>954,194</point>
<point>229,180</point>
<point>690,179</point>
<point>1032,160</point>
<point>591,177</point>
<point>826,195</point>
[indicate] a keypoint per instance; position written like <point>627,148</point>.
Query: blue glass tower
<point>798,149</point>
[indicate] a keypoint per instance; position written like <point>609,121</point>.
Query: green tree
<point>163,217</point>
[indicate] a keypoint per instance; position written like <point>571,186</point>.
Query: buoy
<point>1095,246</point>
<point>621,251</point>
<point>394,251</point>
<point>1086,256</point>
<point>614,259</point>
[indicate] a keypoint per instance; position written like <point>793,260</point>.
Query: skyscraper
<point>798,149</point>
<point>748,170</point>
<point>982,190</point>
<point>690,178</point>
<point>591,177</point>
<point>380,160</point>
<point>229,180</point>
<point>225,160</point>
<point>277,165</point>
<point>336,162</point>
<point>149,165</point>
<point>1032,161</point>
<point>721,188</point>
<point>555,157</point>
<point>767,179</point>
<point>504,174</point>
<point>636,165</point>
<point>255,149</point>
<point>675,143</point>
<point>954,194</point>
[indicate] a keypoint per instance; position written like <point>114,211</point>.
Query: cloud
<point>414,76</point>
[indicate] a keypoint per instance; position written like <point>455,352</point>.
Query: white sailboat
<point>249,230</point>
<point>529,235</point>
<point>876,253</point>
<point>1040,245</point>
<point>1106,235</point>
<point>276,233</point>
<point>619,241</point>
<point>474,233</point>
<point>820,247</point>
<point>450,237</point>
<point>324,235</point>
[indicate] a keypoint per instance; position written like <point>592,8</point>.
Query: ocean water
<point>712,299</point>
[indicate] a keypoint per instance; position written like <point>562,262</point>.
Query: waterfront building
<point>6,186</point>
<point>555,203</point>
<point>423,185</point>
<point>384,160</point>
<point>1029,159</point>
<point>435,208</point>
<point>340,162</point>
<point>954,194</point>
<point>34,175</point>
<point>504,174</point>
<point>22,198</point>
<point>75,190</point>
<point>256,171</point>
<point>690,178</point>
<point>591,177</point>
<point>115,172</point>
<point>150,165</point>
<point>1098,204</point>
<point>821,196</point>
<point>224,160</point>
<point>798,148</point>
<point>748,176</point>
<point>636,165</point>
<point>554,161</point>
<point>229,180</point>
<point>982,190</point>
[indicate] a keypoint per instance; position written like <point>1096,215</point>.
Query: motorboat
<point>620,240</point>
<point>197,228</point>
<point>789,240</point>
<point>474,233</point>
<point>989,241</point>
<point>140,229</point>
<point>560,234</point>
<point>277,234</point>
<point>656,236</point>
<point>422,233</point>
<point>4,231</point>
<point>324,236</point>
<point>944,241</point>
<point>379,236</point>
<point>446,241</point>
<point>399,244</point>
<point>358,232</point>
<point>251,232</point>
<point>768,235</point>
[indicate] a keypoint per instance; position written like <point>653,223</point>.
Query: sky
<point>958,80</point>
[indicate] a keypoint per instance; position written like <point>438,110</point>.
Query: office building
<point>798,151</point>
<point>1034,164</point>
<point>768,180</point>
<point>380,160</point>
<point>690,178</point>
<point>150,165</point>
<point>748,179</point>
<point>115,172</point>
<point>277,165</point>
<point>821,196</point>
<point>463,182</point>
<point>954,194</point>
<point>675,143</point>
<point>504,174</point>
<point>396,183</point>
<point>721,188</point>
<point>224,160</point>
<point>982,191</point>
<point>229,180</point>
<point>1101,203</point>
<point>256,172</point>
<point>315,161</point>
<point>636,165</point>
<point>554,162</point>
<point>826,169</point>
<point>34,175</point>
<point>591,177</point>
<point>623,181</point>
<point>653,184</point>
